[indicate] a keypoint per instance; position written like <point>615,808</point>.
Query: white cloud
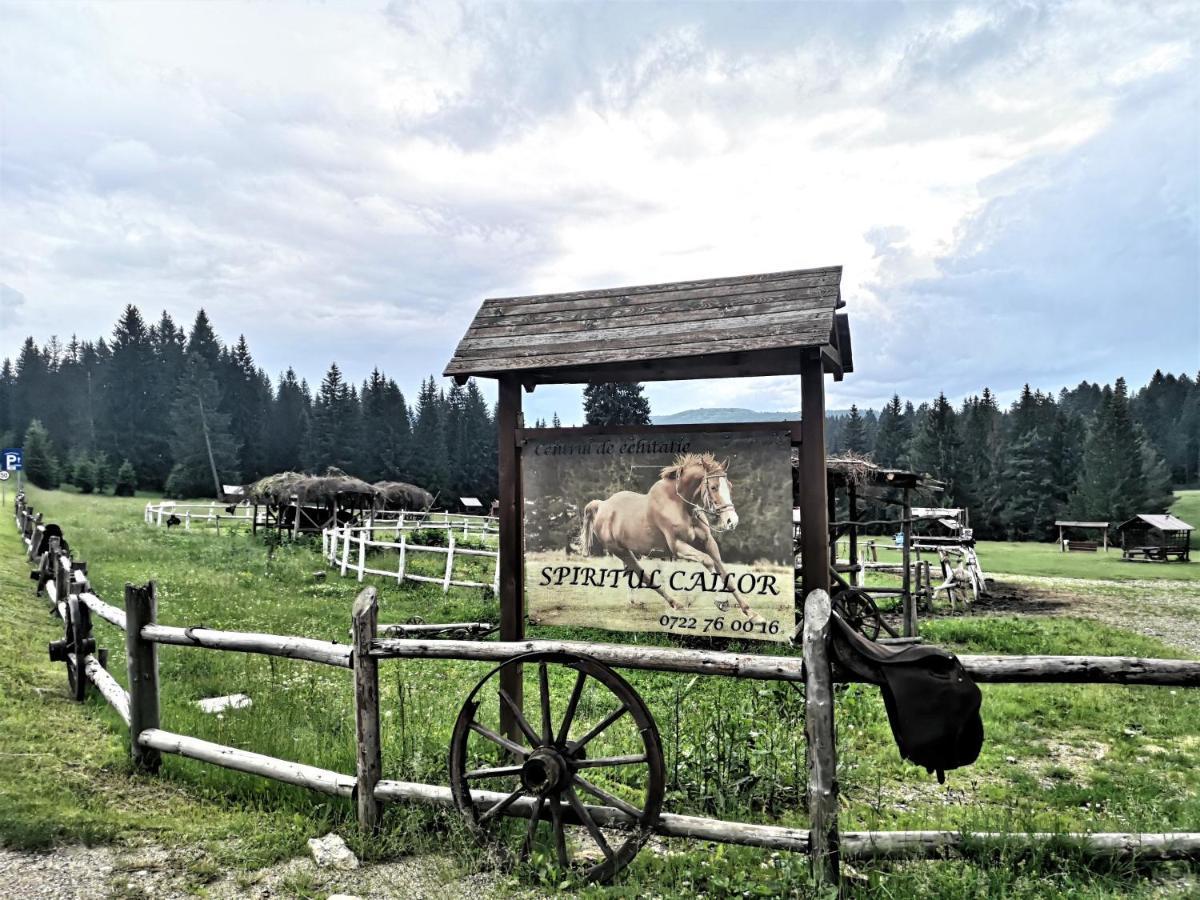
<point>347,182</point>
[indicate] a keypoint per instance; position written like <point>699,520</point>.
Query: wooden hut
<point>402,495</point>
<point>1155,537</point>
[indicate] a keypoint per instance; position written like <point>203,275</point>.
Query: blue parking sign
<point>12,459</point>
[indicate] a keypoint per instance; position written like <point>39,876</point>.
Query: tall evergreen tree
<point>429,445</point>
<point>1110,486</point>
<point>891,437</point>
<point>131,426</point>
<point>200,437</point>
<point>287,435</point>
<point>334,431</point>
<point>40,464</point>
<point>935,445</point>
<point>616,403</point>
<point>854,432</point>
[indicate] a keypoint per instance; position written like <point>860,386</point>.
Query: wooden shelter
<point>781,323</point>
<point>863,480</point>
<point>307,504</point>
<point>1065,544</point>
<point>1156,538</point>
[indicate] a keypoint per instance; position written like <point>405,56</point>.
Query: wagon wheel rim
<point>76,679</point>
<point>861,613</point>
<point>555,776</point>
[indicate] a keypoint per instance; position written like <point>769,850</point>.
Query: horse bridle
<point>710,507</point>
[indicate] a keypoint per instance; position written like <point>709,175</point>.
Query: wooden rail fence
<point>159,514</point>
<point>336,546</point>
<point>64,581</point>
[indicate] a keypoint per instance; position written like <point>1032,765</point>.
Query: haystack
<point>401,495</point>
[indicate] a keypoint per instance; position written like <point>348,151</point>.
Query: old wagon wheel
<point>74,647</point>
<point>603,746</point>
<point>858,610</point>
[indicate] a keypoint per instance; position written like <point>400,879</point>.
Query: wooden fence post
<point>819,731</point>
<point>345,548</point>
<point>403,555</point>
<point>366,709</point>
<point>141,608</point>
<point>449,561</point>
<point>362,556</point>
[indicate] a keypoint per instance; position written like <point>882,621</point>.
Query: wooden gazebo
<point>781,323</point>
<point>1065,544</point>
<point>1156,538</point>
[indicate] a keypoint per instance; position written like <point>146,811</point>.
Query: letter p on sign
<point>12,460</point>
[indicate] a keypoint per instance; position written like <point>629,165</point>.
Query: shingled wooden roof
<point>750,325</point>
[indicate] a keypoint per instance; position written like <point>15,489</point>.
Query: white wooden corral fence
<point>340,542</point>
<point>409,520</point>
<point>159,514</point>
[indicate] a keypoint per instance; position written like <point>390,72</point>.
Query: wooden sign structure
<point>780,323</point>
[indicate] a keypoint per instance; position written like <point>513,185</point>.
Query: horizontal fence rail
<point>159,514</point>
<point>345,547</point>
<point>65,583</point>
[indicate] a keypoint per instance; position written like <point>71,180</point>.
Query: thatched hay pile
<point>855,468</point>
<point>280,489</point>
<point>400,495</point>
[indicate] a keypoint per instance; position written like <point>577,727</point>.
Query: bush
<point>41,467</point>
<point>126,482</point>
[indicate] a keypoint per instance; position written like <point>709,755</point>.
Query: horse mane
<point>684,460</point>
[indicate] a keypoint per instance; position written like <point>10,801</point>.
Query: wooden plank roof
<point>1162,523</point>
<point>752,323</point>
<point>1066,524</point>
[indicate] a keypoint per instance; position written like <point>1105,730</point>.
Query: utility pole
<point>208,443</point>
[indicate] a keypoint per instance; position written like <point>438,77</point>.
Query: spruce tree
<point>854,432</point>
<point>131,427</point>
<point>1110,486</point>
<point>126,483</point>
<point>40,464</point>
<point>289,421</point>
<point>200,438</point>
<point>891,437</point>
<point>429,446</point>
<point>935,445</point>
<point>335,429</point>
<point>615,403</point>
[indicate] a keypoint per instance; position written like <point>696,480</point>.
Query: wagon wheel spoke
<point>560,835</point>
<point>589,823</point>
<point>534,818</point>
<point>609,761</point>
<point>501,805</point>
<point>565,729</point>
<point>544,692</point>
<point>519,718</point>
<point>601,727</point>
<point>499,740</point>
<point>611,799</point>
<point>498,772</point>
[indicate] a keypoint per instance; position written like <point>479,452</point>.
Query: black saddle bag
<point>932,704</point>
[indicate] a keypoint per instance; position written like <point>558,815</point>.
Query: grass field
<point>1056,758</point>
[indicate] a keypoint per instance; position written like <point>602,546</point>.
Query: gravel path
<point>108,873</point>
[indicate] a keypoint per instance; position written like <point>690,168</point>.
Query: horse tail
<point>588,545</point>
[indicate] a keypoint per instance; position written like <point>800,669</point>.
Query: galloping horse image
<point>677,518</point>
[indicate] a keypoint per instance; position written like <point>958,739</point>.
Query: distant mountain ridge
<point>708,415</point>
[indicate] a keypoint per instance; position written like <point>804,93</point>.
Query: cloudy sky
<point>1013,189</point>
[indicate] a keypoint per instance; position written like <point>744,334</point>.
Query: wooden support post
<point>449,561</point>
<point>858,575</point>
<point>512,592</point>
<point>403,555</point>
<point>1062,548</point>
<point>141,609</point>
<point>822,746</point>
<point>366,709</point>
<point>908,602</point>
<point>362,556</point>
<point>814,524</point>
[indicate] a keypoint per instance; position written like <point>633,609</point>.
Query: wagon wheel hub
<point>546,771</point>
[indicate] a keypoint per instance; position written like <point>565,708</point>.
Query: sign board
<point>470,502</point>
<point>686,532</point>
<point>4,475</point>
<point>13,459</point>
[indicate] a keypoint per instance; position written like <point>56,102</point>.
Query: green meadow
<point>1057,758</point>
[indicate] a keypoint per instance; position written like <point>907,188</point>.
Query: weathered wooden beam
<point>814,519</point>
<point>366,709</point>
<point>512,588</point>
<point>141,609</point>
<point>995,669</point>
<point>821,740</point>
<point>105,611</point>
<point>109,688</point>
<point>311,777</point>
<point>327,652</point>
